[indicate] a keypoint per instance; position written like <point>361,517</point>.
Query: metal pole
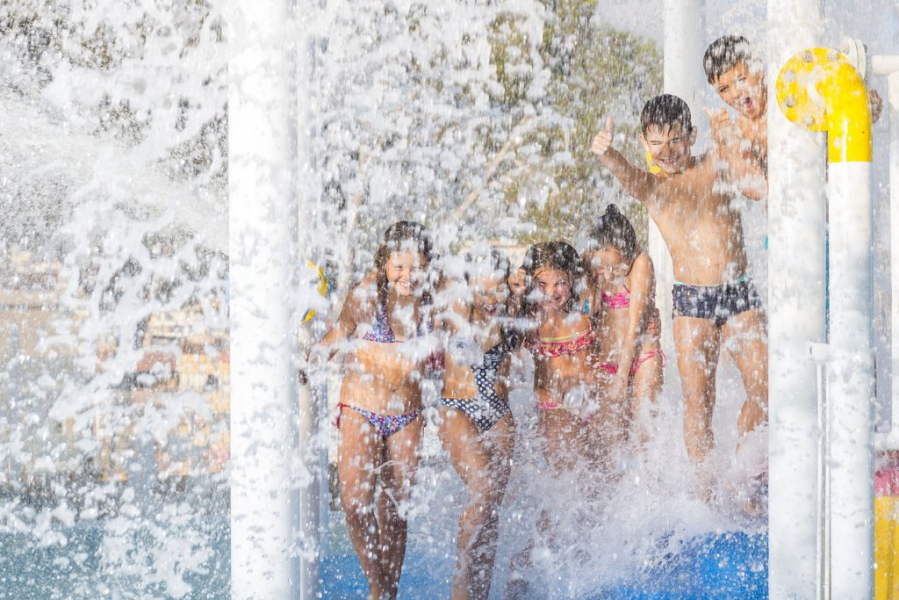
<point>684,35</point>
<point>889,66</point>
<point>263,261</point>
<point>796,319</point>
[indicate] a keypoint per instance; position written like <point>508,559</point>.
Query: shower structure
<point>821,371</point>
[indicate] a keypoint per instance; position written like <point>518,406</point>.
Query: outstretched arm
<point>323,350</point>
<point>637,182</point>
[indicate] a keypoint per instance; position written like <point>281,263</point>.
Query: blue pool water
<point>728,565</point>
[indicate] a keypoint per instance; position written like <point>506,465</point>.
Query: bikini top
<point>382,332</point>
<point>566,346</point>
<point>617,300</point>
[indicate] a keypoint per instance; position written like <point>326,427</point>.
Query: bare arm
<point>324,350</point>
<point>642,285</point>
<point>739,165</point>
<point>638,183</point>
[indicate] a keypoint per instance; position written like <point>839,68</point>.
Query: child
<point>714,301</point>
<point>380,400</point>
<point>563,344</point>
<point>630,356</point>
<point>476,423</point>
<point>739,79</point>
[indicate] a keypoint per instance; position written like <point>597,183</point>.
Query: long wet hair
<point>613,230</point>
<point>558,256</point>
<point>401,236</point>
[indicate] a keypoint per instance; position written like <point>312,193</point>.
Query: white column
<point>796,317</point>
<point>850,381</point>
<point>313,469</point>
<point>684,77</point>
<point>262,221</point>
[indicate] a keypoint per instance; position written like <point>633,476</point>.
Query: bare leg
<point>698,345</point>
<point>645,389</point>
<point>396,482</point>
<point>360,453</point>
<point>747,343</point>
<point>482,461</point>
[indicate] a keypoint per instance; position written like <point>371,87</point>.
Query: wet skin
<point>700,223</point>
<point>624,339</point>
<point>482,459</point>
<point>376,473</point>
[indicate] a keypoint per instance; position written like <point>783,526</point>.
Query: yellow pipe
<point>819,89</point>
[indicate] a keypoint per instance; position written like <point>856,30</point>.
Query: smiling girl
<point>630,359</point>
<point>476,423</point>
<point>385,327</point>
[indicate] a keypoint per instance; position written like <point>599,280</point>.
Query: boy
<point>739,79</point>
<point>714,302</point>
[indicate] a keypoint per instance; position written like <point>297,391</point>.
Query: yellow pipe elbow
<point>819,89</point>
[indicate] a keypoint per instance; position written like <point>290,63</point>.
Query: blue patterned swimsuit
<point>487,408</point>
<point>382,333</point>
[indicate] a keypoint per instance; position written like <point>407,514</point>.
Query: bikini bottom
<point>385,425</point>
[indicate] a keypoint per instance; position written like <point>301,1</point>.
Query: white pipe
<point>262,217</point>
<point>796,229</point>
<point>850,381</point>
<point>684,35</point>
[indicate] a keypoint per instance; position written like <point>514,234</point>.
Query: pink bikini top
<point>617,300</point>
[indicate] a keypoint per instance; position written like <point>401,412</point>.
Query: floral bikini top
<point>565,346</point>
<point>382,333</point>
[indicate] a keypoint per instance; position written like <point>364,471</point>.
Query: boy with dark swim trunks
<point>715,303</point>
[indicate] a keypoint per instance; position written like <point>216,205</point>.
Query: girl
<point>476,424</point>
<point>630,358</point>
<point>385,317</point>
<point>561,344</point>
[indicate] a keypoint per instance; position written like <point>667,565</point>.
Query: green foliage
<point>595,72</point>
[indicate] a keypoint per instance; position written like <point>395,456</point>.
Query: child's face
<point>743,88</point>
<point>553,288</point>
<point>518,282</point>
<point>669,146</point>
<point>489,294</point>
<point>405,271</point>
<point>608,267</point>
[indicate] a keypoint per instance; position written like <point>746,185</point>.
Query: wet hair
<point>401,236</point>
<point>486,261</point>
<point>666,111</point>
<point>558,256</point>
<point>723,54</point>
<point>613,230</point>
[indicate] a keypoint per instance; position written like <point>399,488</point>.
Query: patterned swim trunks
<point>717,303</point>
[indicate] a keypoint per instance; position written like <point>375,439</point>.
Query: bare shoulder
<point>642,265</point>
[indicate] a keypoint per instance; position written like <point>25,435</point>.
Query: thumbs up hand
<point>603,140</point>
